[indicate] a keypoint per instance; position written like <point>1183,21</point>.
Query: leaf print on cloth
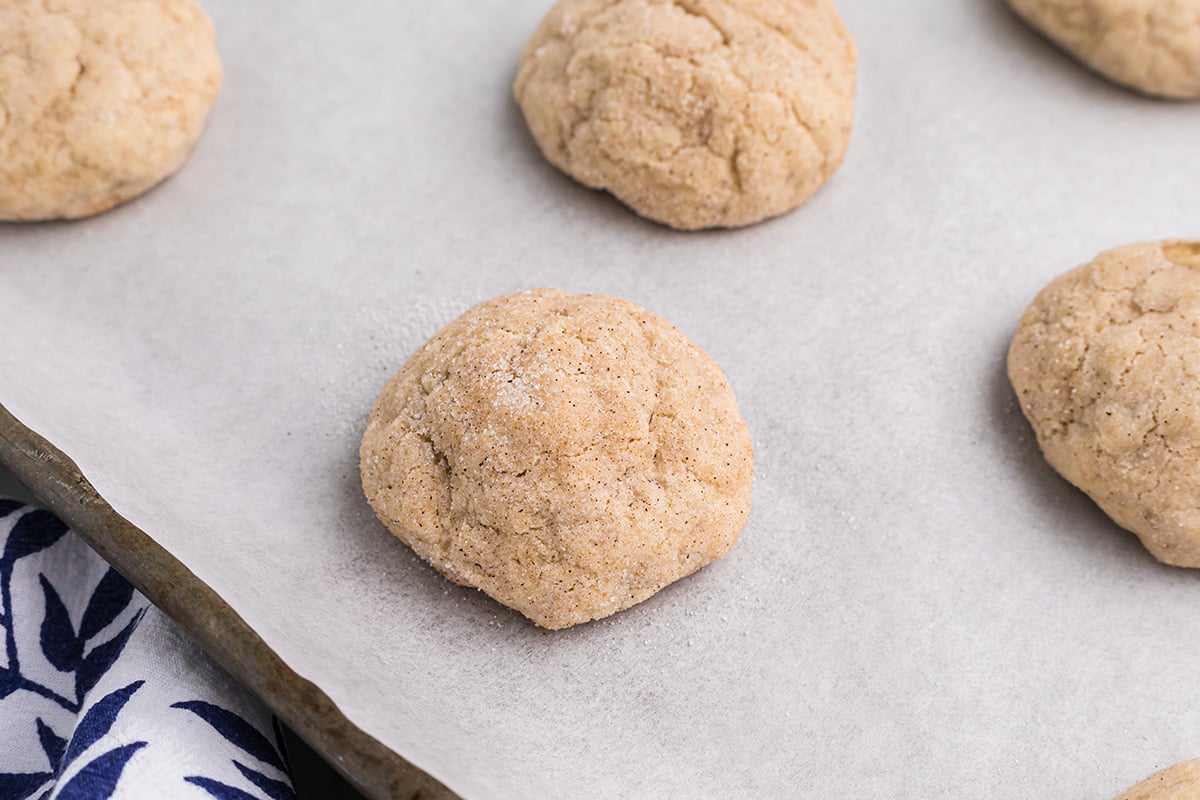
<point>100,775</point>
<point>245,736</point>
<point>35,531</point>
<point>236,730</point>
<point>276,790</point>
<point>62,648</point>
<point>96,722</point>
<point>91,679</point>
<point>221,791</point>
<point>21,786</point>
<point>66,651</point>
<point>53,745</point>
<point>32,533</point>
<point>98,780</point>
<point>97,662</point>
<point>111,597</point>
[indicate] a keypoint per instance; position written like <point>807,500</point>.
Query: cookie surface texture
<point>570,455</point>
<point>1106,365</point>
<point>1152,46</point>
<point>1180,782</point>
<point>99,100</point>
<point>694,113</point>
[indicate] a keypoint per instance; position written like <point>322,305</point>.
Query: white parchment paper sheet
<point>918,607</point>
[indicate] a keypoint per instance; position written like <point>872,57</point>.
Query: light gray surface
<point>918,606</point>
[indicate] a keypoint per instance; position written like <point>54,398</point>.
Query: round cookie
<point>570,455</point>
<point>99,100</point>
<point>1149,45</point>
<point>695,113</point>
<point>1180,782</point>
<point>1106,364</point>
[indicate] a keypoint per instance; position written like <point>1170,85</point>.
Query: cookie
<point>570,455</point>
<point>694,113</point>
<point>1106,364</point>
<point>1152,46</point>
<point>99,100</point>
<point>1180,782</point>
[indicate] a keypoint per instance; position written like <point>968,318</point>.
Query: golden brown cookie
<point>1180,782</point>
<point>99,100</point>
<point>570,455</point>
<point>1106,364</point>
<point>1149,45</point>
<point>695,113</point>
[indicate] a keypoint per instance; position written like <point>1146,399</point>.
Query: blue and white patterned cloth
<point>101,696</point>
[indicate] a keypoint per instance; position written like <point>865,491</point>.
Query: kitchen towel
<point>102,696</point>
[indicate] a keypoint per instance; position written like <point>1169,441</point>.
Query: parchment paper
<point>918,606</point>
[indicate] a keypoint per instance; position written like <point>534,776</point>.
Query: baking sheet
<point>918,607</point>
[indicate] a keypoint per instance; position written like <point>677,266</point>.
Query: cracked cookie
<point>694,113</point>
<point>1180,782</point>
<point>570,455</point>
<point>1106,364</point>
<point>1152,46</point>
<point>99,100</point>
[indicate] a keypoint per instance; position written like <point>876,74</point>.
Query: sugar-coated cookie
<point>570,455</point>
<point>1106,364</point>
<point>1149,45</point>
<point>1180,782</point>
<point>695,113</point>
<point>99,100</point>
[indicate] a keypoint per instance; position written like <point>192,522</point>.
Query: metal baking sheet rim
<point>58,483</point>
